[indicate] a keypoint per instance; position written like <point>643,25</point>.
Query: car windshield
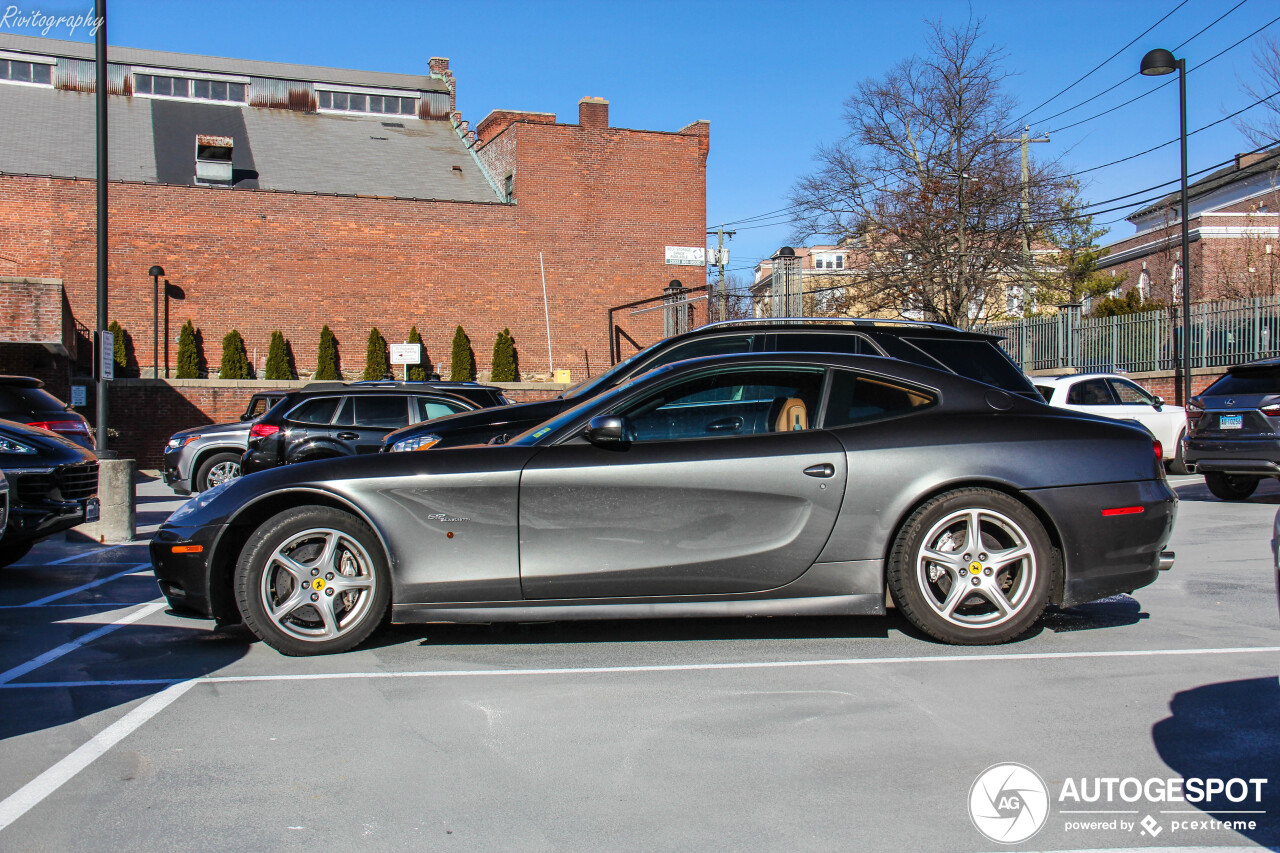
<point>534,435</point>
<point>588,387</point>
<point>1263,380</point>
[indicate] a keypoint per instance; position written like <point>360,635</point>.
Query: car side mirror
<point>246,417</point>
<point>608,431</point>
<point>1159,403</point>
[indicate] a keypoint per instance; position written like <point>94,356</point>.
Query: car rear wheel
<point>973,567</point>
<point>216,470</point>
<point>313,581</point>
<point>1231,487</point>
<point>1178,464</point>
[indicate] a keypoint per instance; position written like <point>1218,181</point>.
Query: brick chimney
<point>439,66</point>
<point>593,113</point>
<point>1244,161</point>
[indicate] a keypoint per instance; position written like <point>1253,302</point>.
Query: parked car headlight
<point>8,445</point>
<point>422,442</point>
<point>199,502</point>
<point>181,441</point>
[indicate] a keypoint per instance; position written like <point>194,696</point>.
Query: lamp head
<point>156,271</point>
<point>1158,62</point>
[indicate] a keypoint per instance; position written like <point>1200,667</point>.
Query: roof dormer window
<point>173,85</point>
<point>34,71</point>
<point>369,102</point>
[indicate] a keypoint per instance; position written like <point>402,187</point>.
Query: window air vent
<point>399,124</point>
<point>213,159</point>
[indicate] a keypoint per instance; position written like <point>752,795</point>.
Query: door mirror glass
<point>607,431</point>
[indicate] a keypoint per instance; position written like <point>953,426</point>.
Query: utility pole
<point>100,99</point>
<point>722,257</point>
<point>1025,215</point>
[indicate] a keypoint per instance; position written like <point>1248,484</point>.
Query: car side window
<point>845,342</point>
<point>380,412</point>
<point>1129,394</point>
<point>1046,391</point>
<point>1091,392</point>
<point>317,410</point>
<point>855,399</point>
<point>697,348</point>
<point>728,403</point>
<point>429,409</point>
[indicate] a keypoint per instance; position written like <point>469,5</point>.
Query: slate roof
<point>47,131</point>
<point>1223,177</point>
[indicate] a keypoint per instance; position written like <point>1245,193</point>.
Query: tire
<point>1178,464</point>
<point>319,545</point>
<point>12,552</point>
<point>1231,487</point>
<point>932,554</point>
<point>217,469</point>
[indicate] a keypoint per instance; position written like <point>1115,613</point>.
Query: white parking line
<point>66,648</point>
<point>99,582</point>
<point>675,667</point>
<point>31,794</point>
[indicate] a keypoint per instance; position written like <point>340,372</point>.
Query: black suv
<point>970,354</point>
<point>24,400</point>
<point>1233,430</point>
<point>324,420</point>
<point>53,484</point>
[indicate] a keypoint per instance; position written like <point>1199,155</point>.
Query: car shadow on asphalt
<point>114,666</point>
<point>1267,493</point>
<point>1113,612</point>
<point>1228,730</point>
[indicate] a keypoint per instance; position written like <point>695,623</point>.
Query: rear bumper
<point>1106,555</point>
<point>1250,456</point>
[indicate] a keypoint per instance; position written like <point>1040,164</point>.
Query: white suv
<point>1114,396</point>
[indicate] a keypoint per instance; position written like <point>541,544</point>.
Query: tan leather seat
<point>794,416</point>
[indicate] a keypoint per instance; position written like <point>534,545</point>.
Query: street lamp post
<point>155,272</point>
<point>1156,63</point>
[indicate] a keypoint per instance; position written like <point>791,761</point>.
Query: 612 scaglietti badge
<point>760,484</point>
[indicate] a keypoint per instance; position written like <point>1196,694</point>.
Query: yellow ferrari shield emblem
<point>318,583</point>
<point>975,567</point>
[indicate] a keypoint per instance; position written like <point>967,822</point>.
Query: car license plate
<point>91,510</point>
<point>1230,421</point>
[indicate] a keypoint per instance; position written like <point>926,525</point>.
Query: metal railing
<point>1223,333</point>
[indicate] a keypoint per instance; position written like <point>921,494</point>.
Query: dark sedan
<point>53,486</point>
<point>759,484</point>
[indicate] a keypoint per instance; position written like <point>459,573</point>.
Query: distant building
<point>288,197</point>
<point>813,283</point>
<point>1232,216</point>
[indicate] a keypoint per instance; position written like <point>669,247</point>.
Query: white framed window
<point>24,69</point>
<point>160,83</point>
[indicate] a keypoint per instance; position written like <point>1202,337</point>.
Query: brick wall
<point>31,311</point>
<point>599,204</point>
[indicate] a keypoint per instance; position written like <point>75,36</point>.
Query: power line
<point>1061,92</point>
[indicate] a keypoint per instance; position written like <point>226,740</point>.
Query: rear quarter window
<point>317,410</point>
<point>855,399</point>
<point>975,359</point>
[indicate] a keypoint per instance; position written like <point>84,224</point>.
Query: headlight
<point>199,502</point>
<point>422,442</point>
<point>8,445</point>
<point>181,441</point>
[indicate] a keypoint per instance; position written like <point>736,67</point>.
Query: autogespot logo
<point>1009,803</point>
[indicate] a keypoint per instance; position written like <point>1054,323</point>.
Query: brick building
<point>288,197</point>
<point>1232,219</point>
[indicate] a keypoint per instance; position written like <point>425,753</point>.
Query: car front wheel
<point>973,567</point>
<point>313,581</point>
<point>1231,487</point>
<point>216,470</point>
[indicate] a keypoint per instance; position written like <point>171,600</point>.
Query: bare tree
<point>934,202</point>
<point>1263,127</point>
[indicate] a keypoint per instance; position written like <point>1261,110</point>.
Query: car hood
<point>51,448</point>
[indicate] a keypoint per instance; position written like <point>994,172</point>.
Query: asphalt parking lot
<point>124,727</point>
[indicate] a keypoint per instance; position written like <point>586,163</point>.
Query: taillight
<point>1272,411</point>
<point>1159,449</point>
<point>263,430</point>
<point>63,427</point>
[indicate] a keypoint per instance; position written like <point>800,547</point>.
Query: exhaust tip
<point>1166,561</point>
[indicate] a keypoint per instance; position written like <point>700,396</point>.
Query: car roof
<point>898,328</point>
<point>1261,364</point>
<point>389,385</point>
<point>21,382</point>
<point>1075,377</point>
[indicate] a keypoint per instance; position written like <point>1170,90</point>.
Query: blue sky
<point>770,77</point>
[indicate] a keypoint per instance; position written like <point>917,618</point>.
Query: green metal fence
<point>1222,333</point>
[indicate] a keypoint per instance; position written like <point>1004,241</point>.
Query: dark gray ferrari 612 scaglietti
<point>743,485</point>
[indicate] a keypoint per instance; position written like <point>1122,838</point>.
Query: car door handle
<point>348,436</point>
<point>725,425</point>
<point>824,470</point>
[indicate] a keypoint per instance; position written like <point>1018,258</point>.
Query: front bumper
<point>183,576</point>
<point>40,520</point>
<point>172,471</point>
